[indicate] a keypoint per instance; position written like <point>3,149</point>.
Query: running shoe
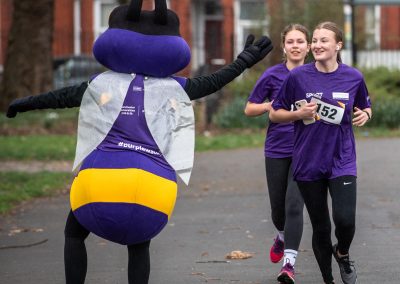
<point>286,275</point>
<point>277,250</point>
<point>346,266</point>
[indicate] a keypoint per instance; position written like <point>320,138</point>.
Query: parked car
<point>74,70</point>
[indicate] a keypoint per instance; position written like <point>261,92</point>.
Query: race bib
<point>328,112</point>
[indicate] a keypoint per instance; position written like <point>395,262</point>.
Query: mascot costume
<point>135,132</point>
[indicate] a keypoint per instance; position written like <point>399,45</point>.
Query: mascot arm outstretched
<point>205,85</point>
<point>62,98</point>
<point>196,88</point>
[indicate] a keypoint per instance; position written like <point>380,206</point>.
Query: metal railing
<point>374,58</point>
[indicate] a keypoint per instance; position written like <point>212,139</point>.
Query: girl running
<point>286,201</point>
<point>329,98</point>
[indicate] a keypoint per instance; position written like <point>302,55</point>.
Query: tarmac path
<point>225,208</point>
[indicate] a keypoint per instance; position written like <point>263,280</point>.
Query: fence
<point>374,58</point>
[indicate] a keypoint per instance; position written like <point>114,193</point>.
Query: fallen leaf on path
<point>204,254</point>
<point>37,230</point>
<point>24,230</point>
<point>16,231</point>
<point>238,254</point>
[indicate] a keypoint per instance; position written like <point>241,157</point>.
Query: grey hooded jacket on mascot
<point>136,122</point>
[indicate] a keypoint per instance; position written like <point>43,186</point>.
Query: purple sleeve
<point>285,97</point>
<point>261,90</point>
<point>362,99</point>
<point>94,76</point>
<point>180,80</point>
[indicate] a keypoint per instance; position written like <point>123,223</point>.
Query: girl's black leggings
<point>75,257</point>
<point>286,201</point>
<point>343,192</point>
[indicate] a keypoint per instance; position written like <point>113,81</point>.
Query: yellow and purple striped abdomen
<point>123,196</point>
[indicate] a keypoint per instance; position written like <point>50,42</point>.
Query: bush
<point>243,85</point>
<point>385,112</point>
<point>384,89</point>
<point>232,116</point>
<point>383,82</point>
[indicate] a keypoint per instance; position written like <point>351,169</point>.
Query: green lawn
<point>62,147</point>
<point>19,186</point>
<point>40,120</point>
<point>35,147</point>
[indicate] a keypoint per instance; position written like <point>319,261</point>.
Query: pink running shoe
<point>276,252</point>
<point>287,274</point>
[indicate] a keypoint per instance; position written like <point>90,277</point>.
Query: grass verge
<point>37,147</point>
<point>62,147</point>
<point>20,186</point>
<point>229,141</point>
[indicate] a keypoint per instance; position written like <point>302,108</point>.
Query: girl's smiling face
<point>296,46</point>
<point>324,46</point>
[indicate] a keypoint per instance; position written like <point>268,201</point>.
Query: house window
<point>252,9</point>
<point>250,18</point>
<point>372,28</point>
<point>102,11</point>
<point>213,8</point>
<point>106,9</point>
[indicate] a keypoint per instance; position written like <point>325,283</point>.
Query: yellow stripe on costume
<point>125,186</point>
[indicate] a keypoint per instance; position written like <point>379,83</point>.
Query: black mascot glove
<point>254,52</point>
<point>18,105</point>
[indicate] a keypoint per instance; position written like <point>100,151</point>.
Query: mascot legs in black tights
<point>135,132</point>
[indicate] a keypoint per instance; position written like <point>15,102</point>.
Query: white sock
<point>289,256</point>
<point>281,236</point>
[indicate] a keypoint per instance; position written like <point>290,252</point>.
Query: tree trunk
<point>28,62</point>
<point>307,13</point>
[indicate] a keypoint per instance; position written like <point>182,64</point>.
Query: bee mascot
<point>135,132</point>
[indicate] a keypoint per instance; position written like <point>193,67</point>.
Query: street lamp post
<point>353,34</point>
<point>349,30</point>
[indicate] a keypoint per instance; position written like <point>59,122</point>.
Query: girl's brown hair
<point>336,30</point>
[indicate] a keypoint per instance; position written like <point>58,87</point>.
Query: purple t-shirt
<point>279,139</point>
<point>326,148</point>
<point>130,131</point>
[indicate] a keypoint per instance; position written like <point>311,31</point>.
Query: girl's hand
<point>307,111</point>
<point>360,117</point>
<point>268,106</point>
<point>254,109</point>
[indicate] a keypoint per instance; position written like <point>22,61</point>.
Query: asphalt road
<point>225,208</point>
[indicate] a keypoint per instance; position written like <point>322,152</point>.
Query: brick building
<point>390,27</point>
<point>205,25</point>
<point>214,29</point>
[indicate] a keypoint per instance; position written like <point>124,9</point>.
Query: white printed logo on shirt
<point>128,110</point>
<point>340,96</point>
<point>317,95</point>
<point>328,112</point>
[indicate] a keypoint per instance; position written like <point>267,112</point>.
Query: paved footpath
<point>225,208</point>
